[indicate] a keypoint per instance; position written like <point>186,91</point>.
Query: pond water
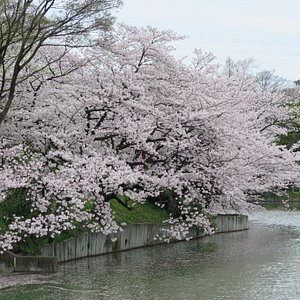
<point>261,263</point>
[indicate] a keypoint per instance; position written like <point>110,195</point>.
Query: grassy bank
<point>137,213</point>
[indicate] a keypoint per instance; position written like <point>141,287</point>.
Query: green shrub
<point>15,204</point>
<point>169,200</point>
<point>31,245</point>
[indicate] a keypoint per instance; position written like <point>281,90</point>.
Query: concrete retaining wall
<point>133,236</point>
<point>7,262</point>
<point>91,244</point>
<point>228,223</point>
<point>10,262</point>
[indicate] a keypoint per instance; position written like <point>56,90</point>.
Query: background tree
<point>242,67</point>
<point>27,25</point>
<point>267,80</point>
<point>291,138</point>
<point>297,82</point>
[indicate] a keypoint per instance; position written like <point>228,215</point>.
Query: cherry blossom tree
<point>137,122</point>
<point>231,117</point>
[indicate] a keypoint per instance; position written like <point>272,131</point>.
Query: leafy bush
<point>15,204</point>
<point>169,201</point>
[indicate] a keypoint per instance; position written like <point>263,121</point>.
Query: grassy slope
<point>146,213</point>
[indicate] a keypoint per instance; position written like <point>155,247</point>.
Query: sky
<point>266,30</point>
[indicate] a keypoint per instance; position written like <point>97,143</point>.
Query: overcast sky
<point>266,30</point>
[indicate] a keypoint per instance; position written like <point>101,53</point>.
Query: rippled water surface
<point>261,263</point>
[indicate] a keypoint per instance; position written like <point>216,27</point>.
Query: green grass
<point>294,195</point>
<point>146,213</point>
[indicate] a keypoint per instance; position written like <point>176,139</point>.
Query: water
<point>261,263</point>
